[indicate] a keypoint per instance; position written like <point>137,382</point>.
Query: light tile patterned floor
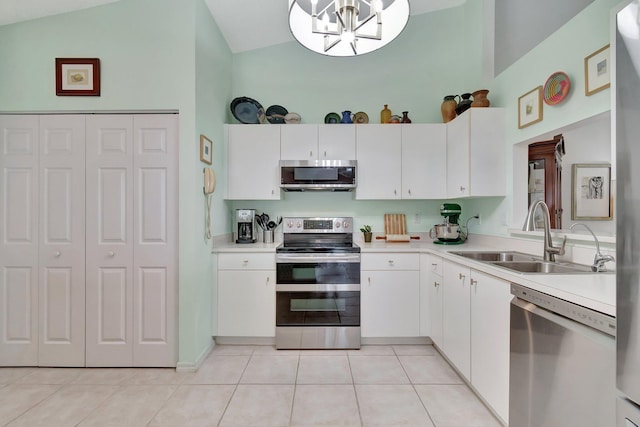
<point>243,386</point>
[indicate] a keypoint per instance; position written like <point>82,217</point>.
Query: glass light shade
<point>394,19</point>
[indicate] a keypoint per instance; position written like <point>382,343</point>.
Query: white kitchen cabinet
<point>490,310</point>
<point>456,330</point>
<point>53,273</point>
<point>318,142</point>
<point>246,295</point>
<point>390,295</point>
<point>424,161</point>
<point>431,297</point>
<point>476,153</point>
<point>132,240</point>
<point>379,155</point>
<point>253,153</point>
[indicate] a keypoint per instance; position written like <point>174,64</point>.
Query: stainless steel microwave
<point>318,175</point>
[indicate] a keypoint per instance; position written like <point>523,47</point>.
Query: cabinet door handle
<point>473,282</point>
<point>462,189</point>
<point>268,279</point>
<point>461,276</point>
<point>436,284</point>
<point>111,254</point>
<point>409,191</point>
<point>395,192</point>
<point>435,264</point>
<point>369,280</point>
<point>57,254</point>
<point>245,262</point>
<point>310,153</point>
<point>390,262</point>
<point>325,153</point>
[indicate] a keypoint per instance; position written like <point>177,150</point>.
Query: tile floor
<point>405,385</point>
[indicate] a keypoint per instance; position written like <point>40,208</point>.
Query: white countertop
<point>596,291</point>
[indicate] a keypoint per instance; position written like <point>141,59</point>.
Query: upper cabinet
<point>318,142</point>
<point>476,153</point>
<point>424,161</point>
<point>253,153</point>
<point>378,151</point>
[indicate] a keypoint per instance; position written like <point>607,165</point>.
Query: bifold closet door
<point>19,240</point>
<point>109,260</point>
<point>61,241</point>
<point>132,240</point>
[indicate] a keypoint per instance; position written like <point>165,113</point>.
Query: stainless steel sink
<point>524,263</point>
<point>493,256</point>
<point>544,267</point>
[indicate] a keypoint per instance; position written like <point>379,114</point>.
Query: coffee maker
<point>449,232</point>
<point>245,226</point>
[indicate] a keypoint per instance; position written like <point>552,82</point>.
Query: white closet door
<point>155,165</point>
<point>18,240</point>
<point>62,241</point>
<point>109,240</point>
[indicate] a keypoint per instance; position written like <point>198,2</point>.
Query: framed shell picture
<point>78,76</point>
<point>530,108</point>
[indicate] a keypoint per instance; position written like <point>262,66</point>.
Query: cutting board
<point>395,224</point>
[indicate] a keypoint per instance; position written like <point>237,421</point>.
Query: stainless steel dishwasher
<point>562,363</point>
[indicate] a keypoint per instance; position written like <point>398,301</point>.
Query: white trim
<point>193,367</point>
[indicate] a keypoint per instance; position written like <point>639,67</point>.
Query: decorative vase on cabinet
<point>464,104</point>
<point>448,108</point>
<point>480,98</point>
<point>385,114</point>
<point>405,117</point>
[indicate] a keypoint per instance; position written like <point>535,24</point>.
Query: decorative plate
<point>360,118</point>
<point>292,118</point>
<point>276,113</point>
<point>556,88</point>
<point>247,110</point>
<point>332,118</point>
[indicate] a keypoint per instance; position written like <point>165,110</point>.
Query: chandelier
<point>347,27</point>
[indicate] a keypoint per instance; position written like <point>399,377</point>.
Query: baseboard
<point>193,367</point>
<point>396,341</point>
<point>246,340</point>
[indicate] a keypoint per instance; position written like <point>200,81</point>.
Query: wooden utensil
<point>397,238</point>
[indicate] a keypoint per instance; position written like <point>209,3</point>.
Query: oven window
<point>341,308</point>
<point>318,273</point>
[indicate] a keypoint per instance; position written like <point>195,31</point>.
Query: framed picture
<point>597,71</point>
<point>206,150</point>
<point>530,108</point>
<point>591,192</point>
<point>77,76</point>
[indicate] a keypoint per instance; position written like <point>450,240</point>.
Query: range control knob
<point>346,224</point>
<point>289,223</point>
<point>299,224</point>
<point>337,224</point>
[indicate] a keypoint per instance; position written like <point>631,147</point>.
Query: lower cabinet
<point>246,297</point>
<point>456,342</point>
<point>431,298</point>
<point>490,305</point>
<point>390,295</point>
<point>476,331</point>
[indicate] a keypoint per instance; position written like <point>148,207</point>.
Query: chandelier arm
<point>367,19</point>
<point>353,47</point>
<point>368,36</point>
<point>328,44</point>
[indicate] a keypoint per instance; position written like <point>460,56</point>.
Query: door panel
<point>156,239</point>
<point>61,242</point>
<point>110,240</point>
<point>19,240</point>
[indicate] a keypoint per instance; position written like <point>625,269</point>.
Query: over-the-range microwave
<point>318,175</point>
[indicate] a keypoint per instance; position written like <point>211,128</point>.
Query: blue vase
<point>346,117</point>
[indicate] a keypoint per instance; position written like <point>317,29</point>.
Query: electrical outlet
<point>416,218</point>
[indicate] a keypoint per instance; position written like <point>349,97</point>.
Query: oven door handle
<point>354,287</point>
<point>281,258</point>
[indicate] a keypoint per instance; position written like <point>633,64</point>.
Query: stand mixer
<point>448,233</point>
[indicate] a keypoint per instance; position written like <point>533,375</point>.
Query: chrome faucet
<point>550,251</point>
<point>598,259</point>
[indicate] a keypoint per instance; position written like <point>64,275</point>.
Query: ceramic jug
<point>405,117</point>
<point>480,98</point>
<point>464,104</point>
<point>448,108</point>
<point>346,117</point>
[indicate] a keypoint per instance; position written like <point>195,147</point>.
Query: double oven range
<point>317,285</point>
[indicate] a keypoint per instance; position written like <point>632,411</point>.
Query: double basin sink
<point>525,263</point>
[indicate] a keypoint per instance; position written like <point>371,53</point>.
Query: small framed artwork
<point>206,150</point>
<point>77,76</point>
<point>591,192</point>
<point>530,108</point>
<point>597,71</point>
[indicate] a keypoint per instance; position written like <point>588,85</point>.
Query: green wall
<point>147,50</point>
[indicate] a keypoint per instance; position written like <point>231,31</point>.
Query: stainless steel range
<point>317,284</point>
